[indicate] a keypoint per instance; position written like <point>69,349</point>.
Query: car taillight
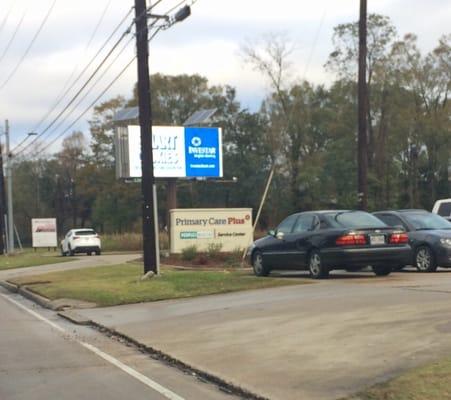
<point>399,238</point>
<point>350,240</point>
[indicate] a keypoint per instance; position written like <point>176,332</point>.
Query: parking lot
<point>319,341</point>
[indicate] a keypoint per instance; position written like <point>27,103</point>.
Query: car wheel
<point>258,265</point>
<point>71,252</point>
<point>89,253</point>
<point>425,260</point>
<point>382,270</point>
<point>98,252</point>
<point>316,267</point>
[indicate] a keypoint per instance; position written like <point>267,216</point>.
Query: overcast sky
<point>207,43</point>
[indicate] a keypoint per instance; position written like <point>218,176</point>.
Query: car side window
<point>391,220</point>
<point>304,223</point>
<point>286,226</point>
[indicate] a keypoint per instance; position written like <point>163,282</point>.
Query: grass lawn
<point>431,382</point>
<point>121,284</point>
<point>29,258</point>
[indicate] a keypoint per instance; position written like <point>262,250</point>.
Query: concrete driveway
<point>80,261</point>
<point>319,341</point>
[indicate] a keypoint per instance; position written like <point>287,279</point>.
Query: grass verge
<point>430,382</point>
<point>121,284</point>
<point>29,258</point>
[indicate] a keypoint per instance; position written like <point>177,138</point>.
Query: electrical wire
<point>77,94</point>
<point>5,19</point>
<point>33,40</point>
<point>104,91</point>
<point>49,144</point>
<point>63,92</point>
<point>11,40</point>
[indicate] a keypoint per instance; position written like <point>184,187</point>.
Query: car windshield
<point>427,221</point>
<point>354,219</point>
<point>86,232</point>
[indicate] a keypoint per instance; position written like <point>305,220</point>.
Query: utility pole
<point>2,204</point>
<point>145,121</point>
<point>362,141</point>
<point>10,192</point>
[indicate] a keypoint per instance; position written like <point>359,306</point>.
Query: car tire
<point>315,265</point>
<point>382,270</point>
<point>89,253</point>
<point>71,252</point>
<point>258,265</point>
<point>425,259</point>
<point>98,252</point>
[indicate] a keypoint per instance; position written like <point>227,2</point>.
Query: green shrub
<point>214,250</point>
<point>189,253</point>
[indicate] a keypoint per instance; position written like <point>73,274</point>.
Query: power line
<point>11,40</point>
<point>84,85</point>
<point>63,92</point>
<point>16,68</point>
<point>5,19</point>
<point>103,92</point>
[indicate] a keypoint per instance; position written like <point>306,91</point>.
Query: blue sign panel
<point>203,153</point>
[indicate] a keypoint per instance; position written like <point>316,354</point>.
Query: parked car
<point>429,237</point>
<point>443,208</point>
<point>321,241</point>
<point>81,241</point>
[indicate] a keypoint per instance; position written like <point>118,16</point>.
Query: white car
<point>443,208</point>
<point>81,241</point>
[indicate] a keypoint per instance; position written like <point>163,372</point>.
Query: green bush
<point>214,250</point>
<point>189,253</point>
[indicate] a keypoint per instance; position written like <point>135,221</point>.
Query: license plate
<point>377,240</point>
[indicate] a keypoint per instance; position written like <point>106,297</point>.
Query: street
<point>44,357</point>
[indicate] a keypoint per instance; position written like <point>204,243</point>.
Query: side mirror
<point>272,232</point>
<point>280,235</point>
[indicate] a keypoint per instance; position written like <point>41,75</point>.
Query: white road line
<point>114,361</point>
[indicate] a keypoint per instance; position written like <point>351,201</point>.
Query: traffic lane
<point>40,361</point>
<point>318,341</point>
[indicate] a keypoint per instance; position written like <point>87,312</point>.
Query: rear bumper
<point>86,249</point>
<point>360,257</point>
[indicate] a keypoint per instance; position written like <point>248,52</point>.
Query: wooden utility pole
<point>2,204</point>
<point>362,140</point>
<point>150,249</point>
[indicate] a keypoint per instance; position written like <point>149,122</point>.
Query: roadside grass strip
<point>430,382</point>
<point>121,284</point>
<point>29,258</point>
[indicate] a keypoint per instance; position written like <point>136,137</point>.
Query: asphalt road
<point>44,357</point>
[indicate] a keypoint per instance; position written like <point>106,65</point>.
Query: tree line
<point>306,132</point>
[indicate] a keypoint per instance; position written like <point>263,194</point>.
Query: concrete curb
<point>75,318</point>
<point>156,354</point>
<point>9,286</point>
<point>27,293</point>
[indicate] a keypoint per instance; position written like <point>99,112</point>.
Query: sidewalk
<point>314,342</point>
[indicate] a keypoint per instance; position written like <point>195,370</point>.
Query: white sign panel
<point>43,232</point>
<point>230,227</point>
<point>179,152</point>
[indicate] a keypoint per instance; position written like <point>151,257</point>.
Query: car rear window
<point>445,209</point>
<point>426,221</point>
<point>354,219</point>
<point>85,232</point>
